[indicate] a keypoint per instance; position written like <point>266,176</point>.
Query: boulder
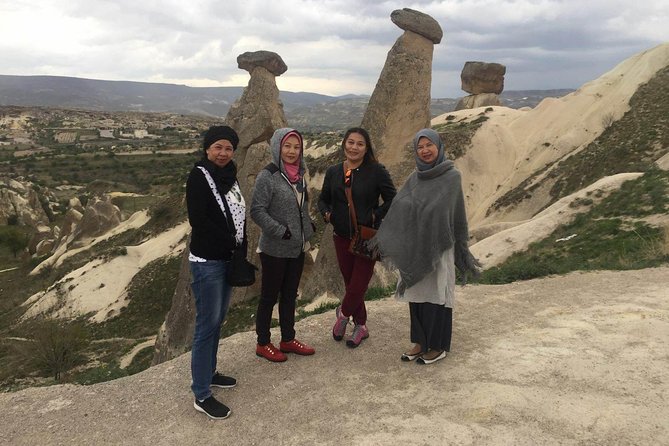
<point>418,22</point>
<point>100,216</point>
<point>478,100</point>
<point>41,233</point>
<point>44,248</point>
<point>483,77</point>
<point>270,61</point>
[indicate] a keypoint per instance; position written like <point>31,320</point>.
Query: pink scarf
<point>293,171</point>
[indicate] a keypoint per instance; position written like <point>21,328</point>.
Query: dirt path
<point>126,359</point>
<point>579,359</point>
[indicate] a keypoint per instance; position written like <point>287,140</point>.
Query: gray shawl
<point>426,218</point>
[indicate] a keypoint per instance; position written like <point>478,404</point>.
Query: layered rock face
<point>255,117</point>
<point>21,204</point>
<point>100,216</point>
<point>484,81</point>
<point>400,103</point>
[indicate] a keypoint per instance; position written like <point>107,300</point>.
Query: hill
<point>577,359</point>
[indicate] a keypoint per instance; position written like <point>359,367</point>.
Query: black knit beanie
<point>217,132</point>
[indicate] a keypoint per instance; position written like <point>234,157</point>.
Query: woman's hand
<point>326,217</point>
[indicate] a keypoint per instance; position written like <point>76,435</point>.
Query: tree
<point>57,347</point>
<point>14,239</point>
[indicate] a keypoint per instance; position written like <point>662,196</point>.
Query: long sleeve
<point>211,234</point>
<point>324,200</point>
<point>262,197</point>
<point>387,191</point>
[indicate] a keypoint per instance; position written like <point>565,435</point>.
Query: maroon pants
<point>357,272</point>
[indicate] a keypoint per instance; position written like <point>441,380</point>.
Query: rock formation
<point>255,116</point>
<point>400,103</point>
<point>100,216</point>
<point>79,225</point>
<point>21,204</point>
<point>484,81</point>
<point>176,334</point>
<point>477,100</point>
<point>259,111</point>
<point>272,62</point>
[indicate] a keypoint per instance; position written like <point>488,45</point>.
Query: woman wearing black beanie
<point>216,212</point>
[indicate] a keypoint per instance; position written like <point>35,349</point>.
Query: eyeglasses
<point>347,178</point>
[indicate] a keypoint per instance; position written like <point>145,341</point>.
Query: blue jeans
<point>212,297</point>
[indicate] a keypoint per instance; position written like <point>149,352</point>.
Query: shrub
<point>56,347</point>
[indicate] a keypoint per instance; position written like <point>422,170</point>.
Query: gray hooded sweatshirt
<point>275,206</point>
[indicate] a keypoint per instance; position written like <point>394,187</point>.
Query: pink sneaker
<point>339,328</point>
<point>360,332</point>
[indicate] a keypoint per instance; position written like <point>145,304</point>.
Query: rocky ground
<point>579,359</point>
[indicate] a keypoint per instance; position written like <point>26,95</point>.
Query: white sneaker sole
<point>422,360</point>
<point>199,409</point>
<point>220,386</point>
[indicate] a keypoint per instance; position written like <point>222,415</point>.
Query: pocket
<point>208,271</point>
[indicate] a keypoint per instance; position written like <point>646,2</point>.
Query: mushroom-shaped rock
<point>272,62</point>
<point>483,77</point>
<point>417,22</point>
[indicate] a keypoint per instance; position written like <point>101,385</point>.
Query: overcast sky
<point>331,47</point>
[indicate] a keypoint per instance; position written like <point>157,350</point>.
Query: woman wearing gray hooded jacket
<point>280,206</point>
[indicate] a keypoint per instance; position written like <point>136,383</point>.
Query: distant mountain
<point>307,111</point>
<point>90,94</point>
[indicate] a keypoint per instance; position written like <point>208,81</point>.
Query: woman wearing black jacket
<point>216,212</point>
<point>368,181</point>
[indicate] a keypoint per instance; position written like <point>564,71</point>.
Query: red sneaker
<point>270,353</point>
<point>296,346</point>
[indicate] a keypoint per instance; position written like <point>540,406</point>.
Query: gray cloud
<point>330,47</point>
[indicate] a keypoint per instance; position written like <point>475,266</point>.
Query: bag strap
<point>351,206</point>
<point>214,191</point>
<point>222,202</point>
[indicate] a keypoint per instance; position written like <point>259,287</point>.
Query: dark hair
<point>369,154</point>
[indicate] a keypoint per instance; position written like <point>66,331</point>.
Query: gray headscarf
<point>426,218</point>
<point>436,140</point>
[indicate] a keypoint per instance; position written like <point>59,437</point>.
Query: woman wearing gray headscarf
<point>424,235</point>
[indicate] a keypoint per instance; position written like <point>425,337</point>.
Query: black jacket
<point>213,236</point>
<point>369,182</point>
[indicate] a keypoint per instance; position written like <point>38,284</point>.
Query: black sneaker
<point>212,408</point>
<point>222,381</point>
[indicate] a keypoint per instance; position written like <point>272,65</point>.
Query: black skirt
<point>431,326</point>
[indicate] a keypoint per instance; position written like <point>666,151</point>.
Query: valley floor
<point>575,359</point>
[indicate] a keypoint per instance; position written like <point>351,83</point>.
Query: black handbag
<point>240,272</point>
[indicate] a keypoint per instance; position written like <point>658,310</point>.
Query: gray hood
<point>275,147</point>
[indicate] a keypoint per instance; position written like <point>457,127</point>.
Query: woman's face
<point>427,151</point>
<point>291,150</point>
<point>355,148</point>
<point>220,152</point>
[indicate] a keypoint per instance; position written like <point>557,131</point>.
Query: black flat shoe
<point>422,360</point>
<point>407,357</point>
